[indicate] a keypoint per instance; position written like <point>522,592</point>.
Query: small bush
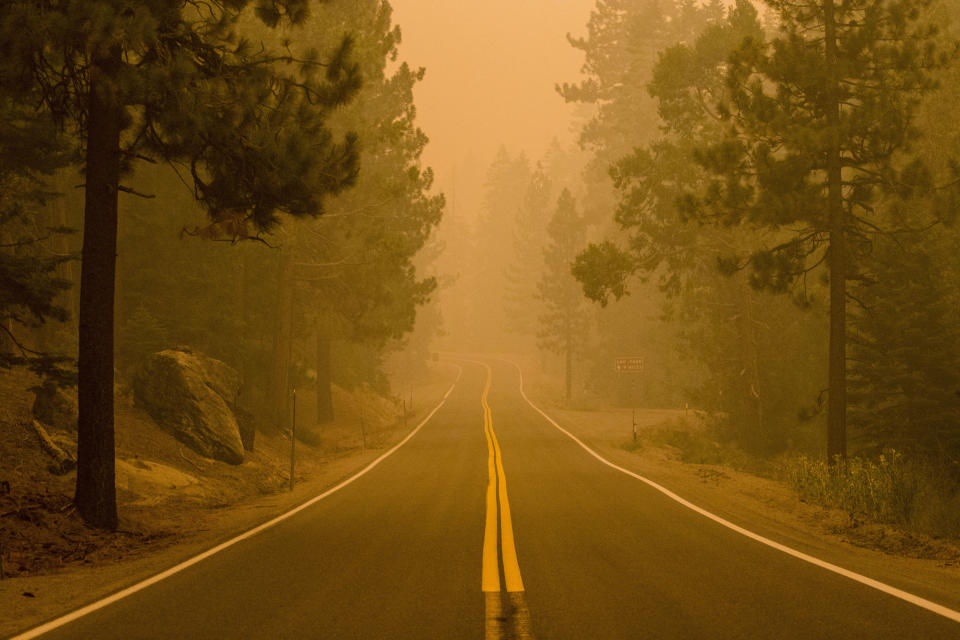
<point>695,447</point>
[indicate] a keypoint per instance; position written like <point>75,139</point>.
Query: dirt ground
<point>173,503</point>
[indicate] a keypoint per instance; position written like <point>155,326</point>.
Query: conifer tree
<point>171,81</point>
<point>563,323</point>
<point>523,272</point>
<point>358,283</point>
<point>904,338</point>
<point>718,321</point>
<point>621,47</point>
<point>820,124</point>
<point>905,346</point>
<point>507,179</point>
<point>31,150</point>
<point>624,38</point>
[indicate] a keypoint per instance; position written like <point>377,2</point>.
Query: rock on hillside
<point>191,396</point>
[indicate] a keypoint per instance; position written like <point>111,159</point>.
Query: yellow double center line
<point>504,617</point>
<point>497,487</point>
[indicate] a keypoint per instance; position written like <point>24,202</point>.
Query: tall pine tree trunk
<point>7,345</point>
<point>282,345</point>
<point>247,423</point>
<point>569,362</point>
<point>96,491</point>
<point>751,361</point>
<point>837,381</point>
<point>324,394</point>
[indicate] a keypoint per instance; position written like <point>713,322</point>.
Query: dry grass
<point>890,489</point>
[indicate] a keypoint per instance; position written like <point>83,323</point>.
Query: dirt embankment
<point>172,502</point>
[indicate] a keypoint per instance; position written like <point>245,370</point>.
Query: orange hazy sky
<point>491,70</point>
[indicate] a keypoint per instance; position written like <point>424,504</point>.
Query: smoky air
<point>513,320</point>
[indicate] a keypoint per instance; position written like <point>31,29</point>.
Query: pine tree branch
<point>23,349</point>
<point>859,302</point>
<point>819,262</point>
<point>134,192</point>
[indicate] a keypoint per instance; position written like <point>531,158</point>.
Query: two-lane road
<point>490,522</point>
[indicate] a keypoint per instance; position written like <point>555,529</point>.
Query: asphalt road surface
<point>490,522</point>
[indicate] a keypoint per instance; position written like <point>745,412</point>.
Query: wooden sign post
<point>632,364</point>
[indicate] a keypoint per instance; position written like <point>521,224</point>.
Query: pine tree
<point>904,338</point>
<point>820,125</point>
<point>167,82</point>
<point>524,270</point>
<point>905,346</point>
<point>719,321</point>
<point>357,282</point>
<point>621,49</point>
<point>505,188</point>
<point>563,323</point>
<point>30,286</point>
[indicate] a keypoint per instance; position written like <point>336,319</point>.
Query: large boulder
<point>218,375</point>
<point>192,396</point>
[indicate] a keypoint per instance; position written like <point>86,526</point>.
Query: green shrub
<point>890,489</point>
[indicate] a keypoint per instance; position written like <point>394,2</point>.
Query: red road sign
<point>628,365</point>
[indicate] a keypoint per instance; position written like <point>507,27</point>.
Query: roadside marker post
<point>293,439</point>
<point>363,430</point>
<point>632,364</point>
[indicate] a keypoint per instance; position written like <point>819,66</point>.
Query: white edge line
<point>120,595</point>
<point>929,605</point>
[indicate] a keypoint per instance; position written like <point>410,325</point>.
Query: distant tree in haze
<point>624,38</point>
<point>719,322</point>
<point>354,271</point>
<point>172,82</point>
<point>563,325</point>
<point>820,125</point>
<point>489,278</point>
<point>905,346</point>
<point>325,302</point>
<point>31,150</point>
<point>526,262</point>
<point>621,47</point>
<point>904,335</point>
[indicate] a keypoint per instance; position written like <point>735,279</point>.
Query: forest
<point>760,201</point>
<point>258,193</point>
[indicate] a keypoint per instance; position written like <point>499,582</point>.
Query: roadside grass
<point>891,489</point>
<point>695,442</point>
<point>918,495</point>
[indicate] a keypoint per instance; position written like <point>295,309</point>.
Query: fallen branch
<point>63,462</point>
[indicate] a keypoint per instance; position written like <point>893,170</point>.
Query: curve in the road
<point>929,605</point>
